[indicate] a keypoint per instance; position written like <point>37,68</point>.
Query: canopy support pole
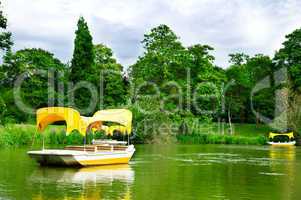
<point>85,142</point>
<point>43,142</point>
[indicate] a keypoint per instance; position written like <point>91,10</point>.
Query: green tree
<point>237,93</point>
<point>108,72</point>
<point>206,79</point>
<point>179,73</point>
<point>83,54</point>
<point>261,68</point>
<point>289,57</point>
<point>34,89</point>
<point>162,59</point>
<point>247,72</point>
<point>5,45</point>
<point>3,110</point>
<point>162,66</point>
<point>5,36</point>
<point>201,63</point>
<point>82,62</point>
<point>238,58</point>
<point>165,59</point>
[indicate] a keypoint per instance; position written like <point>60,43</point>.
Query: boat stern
<point>49,157</point>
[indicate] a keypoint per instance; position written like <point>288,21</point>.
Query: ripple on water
<point>271,174</point>
<point>219,158</point>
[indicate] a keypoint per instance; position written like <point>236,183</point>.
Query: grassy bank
<point>220,134</point>
<point>221,139</point>
<point>26,135</point>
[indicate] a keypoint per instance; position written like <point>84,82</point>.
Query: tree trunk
<point>229,119</point>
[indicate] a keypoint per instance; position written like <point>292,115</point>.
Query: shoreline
<point>15,135</point>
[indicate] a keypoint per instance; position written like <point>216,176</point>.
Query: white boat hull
<point>283,143</point>
<point>82,158</point>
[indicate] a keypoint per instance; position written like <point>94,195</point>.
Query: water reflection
<point>283,159</point>
<point>283,152</point>
<point>286,155</point>
<point>111,182</point>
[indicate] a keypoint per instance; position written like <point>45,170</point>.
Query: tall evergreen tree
<point>83,54</point>
<point>82,63</point>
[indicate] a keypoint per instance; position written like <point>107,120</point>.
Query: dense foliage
<point>108,77</point>
<point>35,67</point>
<point>289,58</point>
<point>180,74</point>
<point>245,73</point>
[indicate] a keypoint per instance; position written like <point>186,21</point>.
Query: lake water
<point>162,172</point>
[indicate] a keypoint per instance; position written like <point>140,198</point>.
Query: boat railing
<point>96,148</point>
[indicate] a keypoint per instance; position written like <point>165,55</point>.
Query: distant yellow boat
<point>282,139</point>
<point>101,152</point>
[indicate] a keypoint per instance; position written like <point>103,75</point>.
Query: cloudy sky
<point>250,26</point>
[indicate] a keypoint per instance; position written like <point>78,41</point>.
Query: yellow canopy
<point>74,121</point>
<point>120,116</point>
<point>290,134</point>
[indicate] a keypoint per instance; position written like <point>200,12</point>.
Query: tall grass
<point>218,133</point>
<point>21,134</point>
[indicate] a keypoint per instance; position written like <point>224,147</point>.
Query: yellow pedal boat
<point>101,152</point>
<point>282,139</point>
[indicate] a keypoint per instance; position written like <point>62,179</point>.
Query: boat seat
<point>119,148</point>
<point>81,148</point>
<point>104,147</point>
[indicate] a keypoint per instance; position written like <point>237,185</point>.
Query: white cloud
<point>250,26</point>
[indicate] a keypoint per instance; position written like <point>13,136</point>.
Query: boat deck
<point>83,150</point>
